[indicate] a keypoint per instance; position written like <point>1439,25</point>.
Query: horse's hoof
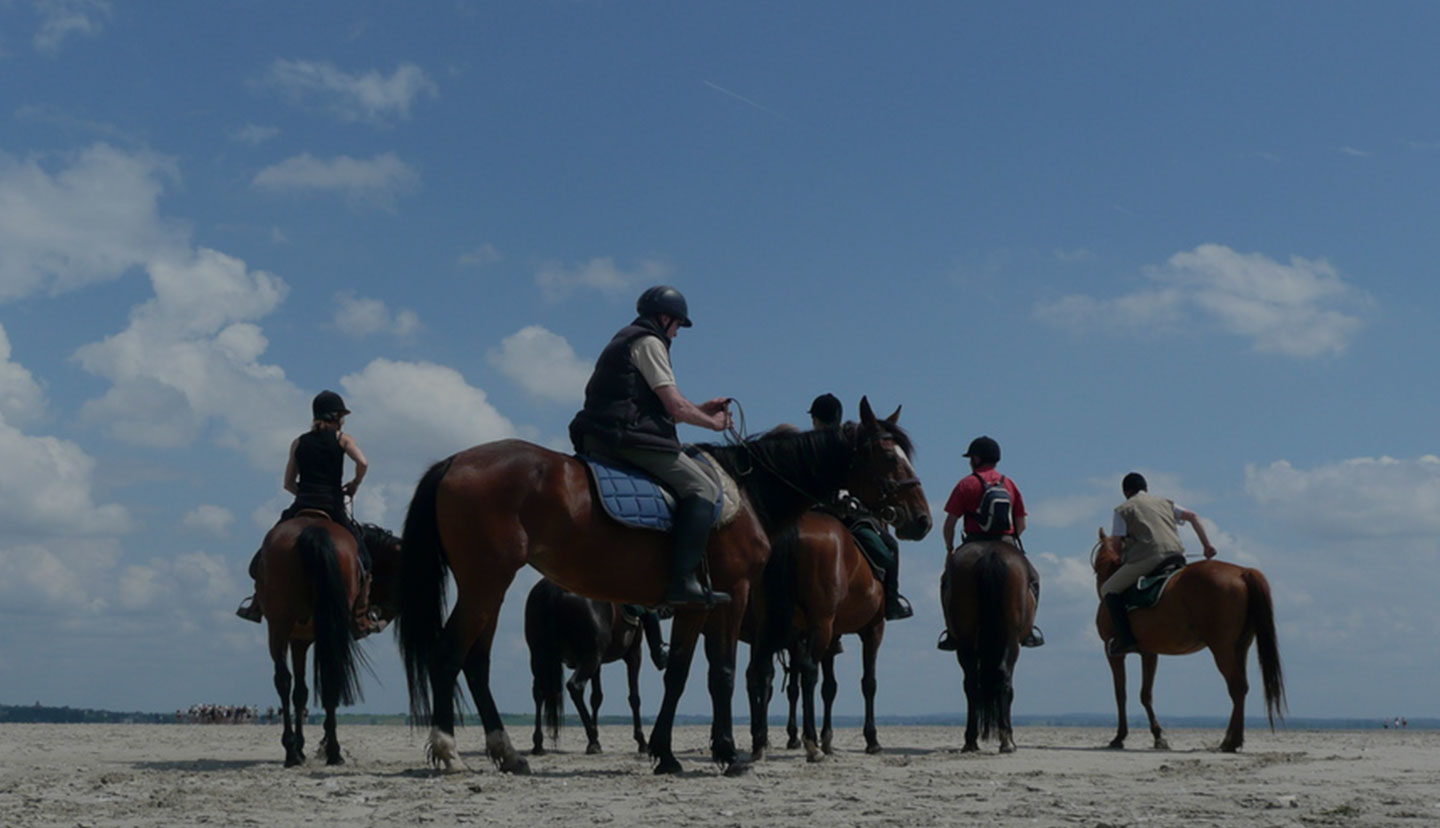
<point>537,751</point>
<point>667,765</point>
<point>593,748</point>
<point>338,760</point>
<point>792,744</point>
<point>643,748</point>
<point>1160,744</point>
<point>1116,744</point>
<point>1224,748</point>
<point>757,755</point>
<point>1007,748</point>
<point>738,767</point>
<point>874,748</point>
<point>970,748</point>
<point>516,765</point>
<point>291,761</point>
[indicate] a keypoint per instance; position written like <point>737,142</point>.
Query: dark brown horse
<point>562,630</point>
<point>818,587</point>
<point>988,610</point>
<point>1210,604</point>
<point>484,513</point>
<point>310,590</point>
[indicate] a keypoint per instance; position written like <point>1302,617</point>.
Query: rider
<point>964,503</point>
<point>631,408</point>
<point>313,474</point>
<point>1149,526</point>
<point>879,545</point>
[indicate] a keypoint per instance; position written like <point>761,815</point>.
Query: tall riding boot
<point>945,643</point>
<point>249,608</point>
<point>1124,640</point>
<point>1035,638</point>
<point>693,518</point>
<point>897,607</point>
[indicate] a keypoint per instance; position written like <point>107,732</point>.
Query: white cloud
<point>409,414</point>
<point>70,577</point>
<point>254,134</point>
<point>208,518</point>
<point>45,489</point>
<point>1358,498</point>
<point>21,398</point>
<point>557,282</point>
<point>1357,153</point>
<point>1299,309</point>
<point>482,256</point>
<point>89,222</point>
<point>543,363</point>
<point>359,317</point>
<point>61,18</point>
<point>378,181</point>
<point>1096,503</point>
<point>370,97</point>
<point>191,354</point>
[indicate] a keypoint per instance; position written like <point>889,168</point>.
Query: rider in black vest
<point>313,474</point>
<point>631,407</point>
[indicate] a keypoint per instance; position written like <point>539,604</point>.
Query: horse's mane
<point>376,536</point>
<point>782,472</point>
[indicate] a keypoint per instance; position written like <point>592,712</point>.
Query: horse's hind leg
<point>282,687</point>
<point>1231,661</point>
<point>1007,690</point>
<point>477,676</point>
<point>809,675</point>
<point>1148,662</point>
<point>587,673</point>
<point>300,697</point>
<point>332,741</point>
<point>792,692</point>
<point>720,647</point>
<point>970,667</point>
<point>684,632</point>
<point>759,681</point>
<point>828,688</point>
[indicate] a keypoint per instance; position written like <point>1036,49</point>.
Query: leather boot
<point>693,518</point>
<point>897,607</point>
<point>1124,640</point>
<point>249,609</point>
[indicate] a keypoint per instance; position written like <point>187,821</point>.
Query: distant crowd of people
<point>225,714</point>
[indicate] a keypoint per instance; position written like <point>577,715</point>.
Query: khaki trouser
<point>1128,573</point>
<point>681,472</point>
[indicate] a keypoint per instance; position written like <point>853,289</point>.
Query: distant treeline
<point>71,715</point>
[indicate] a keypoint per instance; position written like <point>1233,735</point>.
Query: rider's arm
<point>1019,525</point>
<point>1194,520</point>
<point>292,472</point>
<point>949,532</point>
<point>682,410</point>
<point>352,450</point>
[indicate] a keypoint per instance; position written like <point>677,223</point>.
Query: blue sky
<point>1195,240</point>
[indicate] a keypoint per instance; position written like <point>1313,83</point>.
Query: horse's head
<point>882,476</point>
<point>384,550</point>
<point>1105,557</point>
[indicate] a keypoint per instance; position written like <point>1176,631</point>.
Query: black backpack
<point>996,510</point>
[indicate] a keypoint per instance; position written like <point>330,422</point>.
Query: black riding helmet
<point>328,405</point>
<point>664,299</point>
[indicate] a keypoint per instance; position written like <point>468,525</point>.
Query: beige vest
<point>1150,530</point>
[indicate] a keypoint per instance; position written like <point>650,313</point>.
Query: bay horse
<point>482,514</point>
<point>1208,603</point>
<point>989,609</point>
<point>818,586</point>
<point>310,590</point>
<point>562,630</point>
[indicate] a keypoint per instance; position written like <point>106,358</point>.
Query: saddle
<point>634,498</point>
<point>1150,588</point>
<point>319,514</point>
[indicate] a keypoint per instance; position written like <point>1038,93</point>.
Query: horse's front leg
<point>720,646</point>
<point>759,679</point>
<point>684,632</point>
<point>809,676</point>
<point>300,697</point>
<point>1117,675</point>
<point>870,648</point>
<point>1148,662</point>
<point>584,674</point>
<point>632,673</point>
<point>792,693</point>
<point>828,688</point>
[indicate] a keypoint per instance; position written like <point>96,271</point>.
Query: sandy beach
<point>104,776</point>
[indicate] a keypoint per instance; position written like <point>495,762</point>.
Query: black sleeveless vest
<point>320,461</point>
<point>620,407</point>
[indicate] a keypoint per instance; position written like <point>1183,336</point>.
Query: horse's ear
<point>1102,534</point>
<point>867,414</point>
<point>894,418</point>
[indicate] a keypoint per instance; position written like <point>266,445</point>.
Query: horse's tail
<point>546,667</point>
<point>992,582</point>
<point>423,569</point>
<point>337,653</point>
<point>1260,616</point>
<point>781,585</point>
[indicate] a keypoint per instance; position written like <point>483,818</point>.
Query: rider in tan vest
<point>1149,527</point>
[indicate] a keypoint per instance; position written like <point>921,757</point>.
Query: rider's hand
<point>715,406</point>
<point>1209,552</point>
<point>349,488</point>
<point>720,420</point>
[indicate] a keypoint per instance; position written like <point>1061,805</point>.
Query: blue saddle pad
<point>633,497</point>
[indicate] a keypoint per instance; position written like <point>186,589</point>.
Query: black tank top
<point>320,461</point>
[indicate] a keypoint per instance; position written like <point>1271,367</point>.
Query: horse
<point>566,630</point>
<point>989,609</point>
<point>489,510</point>
<point>310,590</point>
<point>1211,604</point>
<point>818,587</point>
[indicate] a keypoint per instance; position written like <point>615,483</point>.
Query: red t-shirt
<point>965,499</point>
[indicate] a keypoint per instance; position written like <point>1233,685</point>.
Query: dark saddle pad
<point>633,497</point>
<point>1147,591</point>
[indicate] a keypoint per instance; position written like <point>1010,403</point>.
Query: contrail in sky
<point>741,98</point>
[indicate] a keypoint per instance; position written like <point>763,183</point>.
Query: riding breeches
<point>1128,573</point>
<point>681,472</point>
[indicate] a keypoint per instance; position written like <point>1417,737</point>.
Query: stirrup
<point>249,609</point>
<point>946,643</point>
<point>709,597</point>
<point>1117,647</point>
<point>899,609</point>
<point>1036,638</point>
